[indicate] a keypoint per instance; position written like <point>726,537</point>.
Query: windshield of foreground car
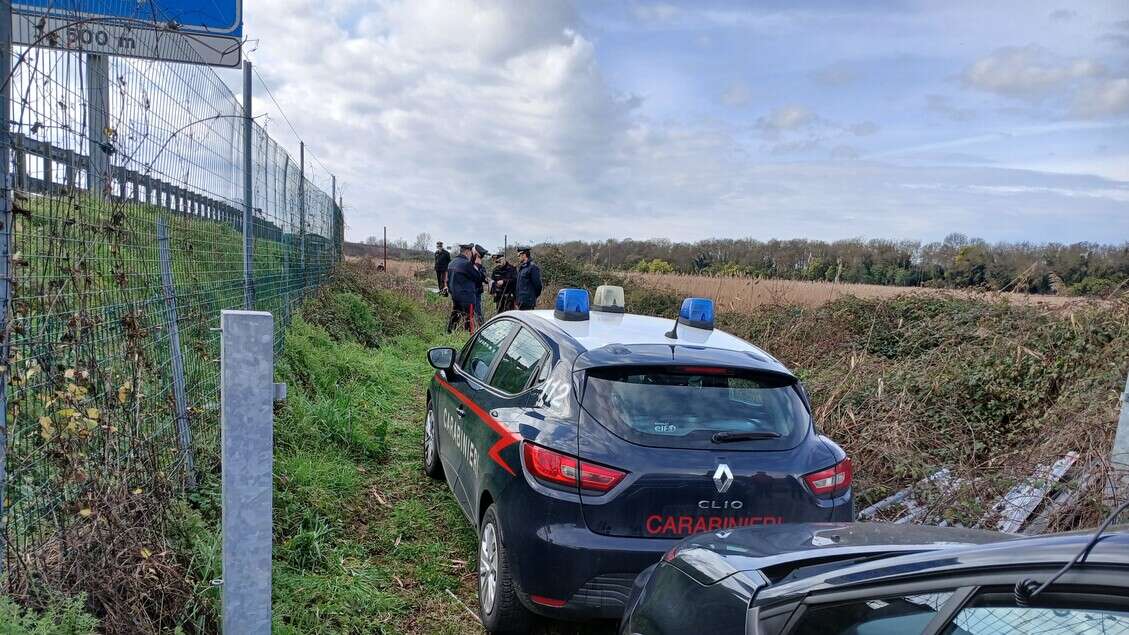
<point>697,407</point>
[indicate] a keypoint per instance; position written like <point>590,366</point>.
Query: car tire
<point>432,466</point>
<point>498,605</point>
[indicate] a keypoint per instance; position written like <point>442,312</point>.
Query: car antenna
<point>673,332</point>
<point>1026,589</point>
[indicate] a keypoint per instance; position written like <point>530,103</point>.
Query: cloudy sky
<point>554,120</point>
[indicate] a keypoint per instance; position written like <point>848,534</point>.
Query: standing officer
<point>479,254</point>
<point>528,281</point>
<point>503,283</point>
<point>462,280</point>
<point>442,261</point>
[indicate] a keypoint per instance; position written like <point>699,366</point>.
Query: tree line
<point>956,262</point>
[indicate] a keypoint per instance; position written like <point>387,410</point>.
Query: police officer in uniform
<point>528,280</point>
<point>503,283</point>
<point>442,261</point>
<point>479,254</point>
<point>463,280</point>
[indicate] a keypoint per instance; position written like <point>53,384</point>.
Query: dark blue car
<point>885,579</point>
<point>584,444</point>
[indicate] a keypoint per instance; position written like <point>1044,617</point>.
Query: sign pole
<point>97,121</point>
<point>248,235</point>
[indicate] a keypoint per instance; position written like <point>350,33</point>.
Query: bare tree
<point>423,240</point>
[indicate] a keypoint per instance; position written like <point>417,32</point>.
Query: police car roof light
<point>608,299</point>
<point>697,313</point>
<point>572,305</point>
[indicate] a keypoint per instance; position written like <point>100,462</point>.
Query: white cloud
<point>1029,72</point>
<point>1063,15</point>
<point>1104,99</point>
<point>785,118</point>
<point>471,119</point>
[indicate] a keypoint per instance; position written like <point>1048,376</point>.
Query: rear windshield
<point>697,407</point>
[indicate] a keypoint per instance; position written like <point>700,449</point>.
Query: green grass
<point>364,542</point>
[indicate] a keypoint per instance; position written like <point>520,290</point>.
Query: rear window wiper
<point>730,437</point>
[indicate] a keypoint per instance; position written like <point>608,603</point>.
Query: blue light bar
<point>572,305</point>
<point>697,313</point>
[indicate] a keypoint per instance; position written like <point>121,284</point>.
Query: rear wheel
<point>498,606</point>
<point>432,466</point>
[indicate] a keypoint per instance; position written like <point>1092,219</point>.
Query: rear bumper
<point>567,571</point>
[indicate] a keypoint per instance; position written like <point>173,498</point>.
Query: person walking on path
<point>503,284</point>
<point>463,278</point>
<point>442,261</point>
<point>528,280</point>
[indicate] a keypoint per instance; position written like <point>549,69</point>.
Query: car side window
<point>995,613</point>
<point>520,361</point>
<point>482,351</point>
<point>890,615</point>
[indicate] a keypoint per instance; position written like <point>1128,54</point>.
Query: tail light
<point>834,480</point>
<point>555,468</point>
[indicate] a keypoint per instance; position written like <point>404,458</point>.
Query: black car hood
<point>712,556</point>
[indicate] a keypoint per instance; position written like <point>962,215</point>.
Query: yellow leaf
<point>67,412</point>
<point>69,373</point>
<point>145,553</point>
<point>92,413</point>
<point>123,392</point>
<point>137,490</point>
<point>85,512</point>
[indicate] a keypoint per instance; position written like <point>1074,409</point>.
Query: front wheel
<point>498,606</point>
<point>432,466</point>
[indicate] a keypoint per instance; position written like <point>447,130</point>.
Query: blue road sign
<point>194,31</point>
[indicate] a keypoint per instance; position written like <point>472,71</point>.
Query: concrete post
<point>247,431</point>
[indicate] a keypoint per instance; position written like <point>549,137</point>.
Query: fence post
<point>97,116</point>
<point>1119,457</point>
<point>247,432</point>
<point>183,435</point>
<point>5,270</point>
<point>302,212</point>
<point>248,240</point>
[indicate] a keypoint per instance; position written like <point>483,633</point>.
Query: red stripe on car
<point>507,439</point>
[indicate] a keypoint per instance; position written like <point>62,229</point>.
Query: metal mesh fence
<point>127,242</point>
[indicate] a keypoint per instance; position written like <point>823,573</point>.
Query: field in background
<point>739,293</point>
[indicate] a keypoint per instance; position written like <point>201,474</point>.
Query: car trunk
<point>660,425</point>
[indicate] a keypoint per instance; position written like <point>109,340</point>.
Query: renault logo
<point>722,478</point>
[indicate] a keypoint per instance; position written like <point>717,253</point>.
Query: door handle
<point>461,411</point>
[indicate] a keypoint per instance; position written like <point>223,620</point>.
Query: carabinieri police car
<point>583,443</point>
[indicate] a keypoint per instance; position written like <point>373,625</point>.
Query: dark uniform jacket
<point>507,274</point>
<point>528,283</point>
<point>442,259</point>
<point>464,280</point>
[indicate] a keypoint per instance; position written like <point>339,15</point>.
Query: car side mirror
<point>441,357</point>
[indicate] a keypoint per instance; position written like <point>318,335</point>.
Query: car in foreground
<point>883,579</point>
<point>583,443</point>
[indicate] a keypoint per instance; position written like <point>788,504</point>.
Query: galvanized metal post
<point>333,211</point>
<point>248,244</point>
<point>1120,458</point>
<point>183,434</point>
<point>247,432</point>
<point>5,269</point>
<point>302,211</point>
<point>97,120</point>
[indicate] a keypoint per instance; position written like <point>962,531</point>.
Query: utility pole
<point>386,248</point>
